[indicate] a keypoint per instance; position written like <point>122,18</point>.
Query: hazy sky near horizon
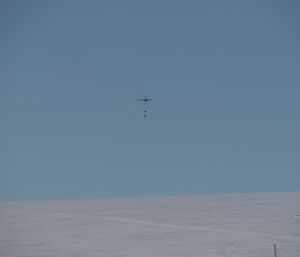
<point>224,76</point>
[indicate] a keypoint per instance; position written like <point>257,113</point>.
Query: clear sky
<point>225,79</point>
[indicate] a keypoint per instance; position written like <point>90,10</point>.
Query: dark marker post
<point>275,250</point>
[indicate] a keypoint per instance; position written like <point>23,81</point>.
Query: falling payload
<point>145,100</point>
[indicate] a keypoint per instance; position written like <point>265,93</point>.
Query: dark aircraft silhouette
<point>145,99</point>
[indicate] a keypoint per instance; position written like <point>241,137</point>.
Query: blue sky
<point>224,76</point>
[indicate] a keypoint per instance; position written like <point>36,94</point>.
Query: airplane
<point>145,99</point>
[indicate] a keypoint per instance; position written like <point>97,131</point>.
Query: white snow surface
<point>237,225</point>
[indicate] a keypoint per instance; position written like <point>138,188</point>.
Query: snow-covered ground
<point>241,225</point>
